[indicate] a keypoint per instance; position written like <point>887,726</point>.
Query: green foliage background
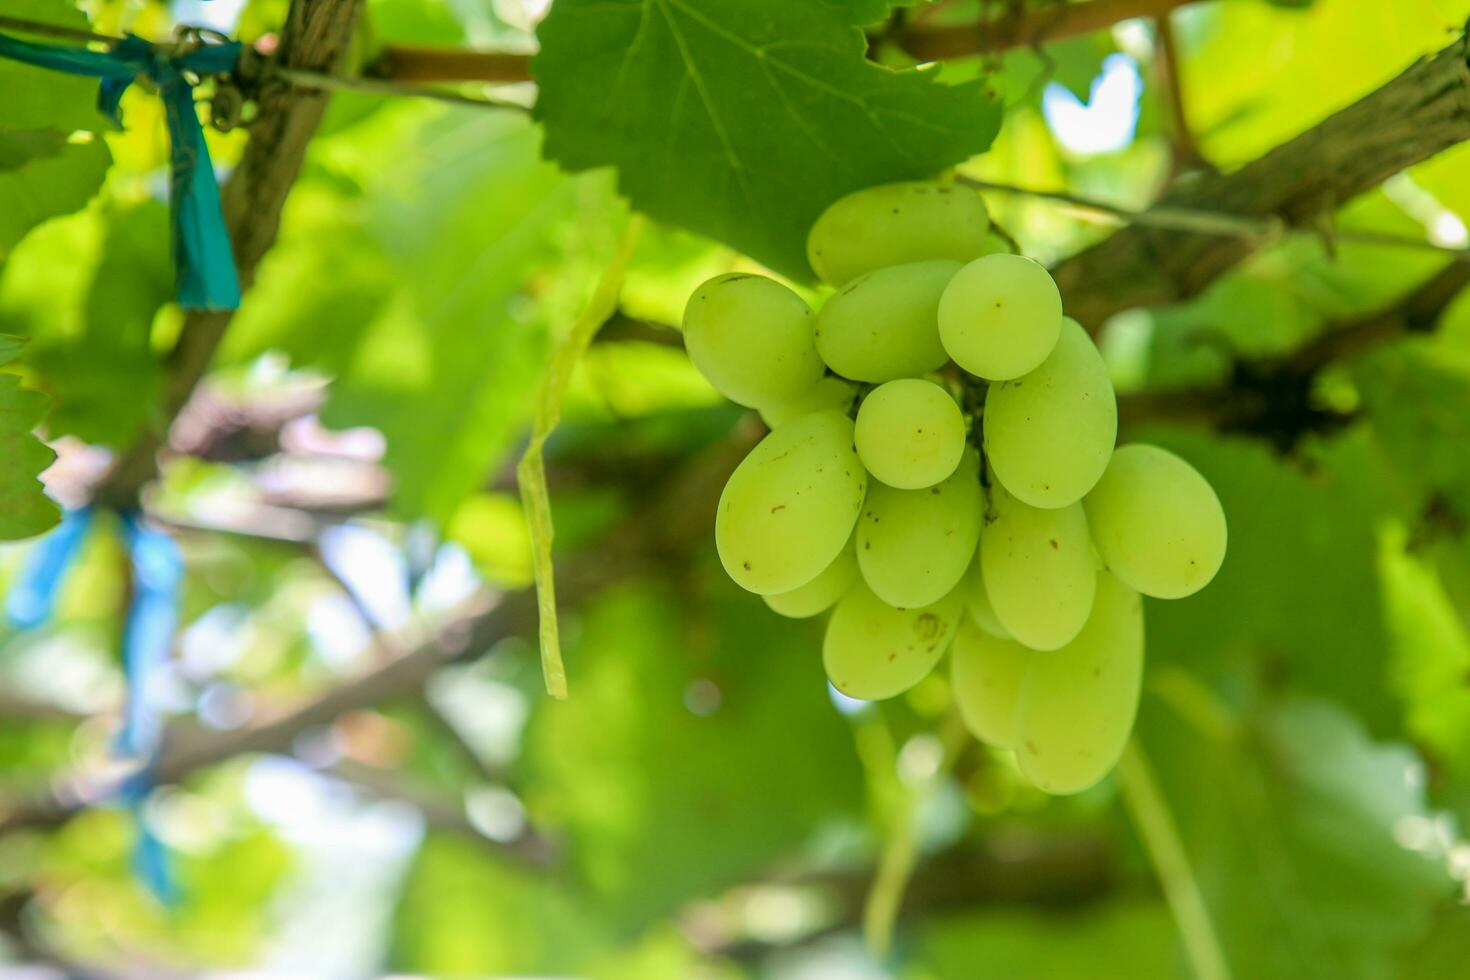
<point>712,813</point>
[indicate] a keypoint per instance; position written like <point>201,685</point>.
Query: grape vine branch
<point>315,37</point>
<point>1422,112</point>
<point>1021,27</point>
<point>1428,108</point>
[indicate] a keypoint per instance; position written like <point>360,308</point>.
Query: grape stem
<point>1150,813</point>
<point>393,74</point>
<point>1006,237</point>
<point>23,26</point>
<point>1167,64</point>
<point>1259,228</point>
<point>899,806</point>
<point>1025,27</point>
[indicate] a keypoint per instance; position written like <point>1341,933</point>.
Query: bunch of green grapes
<point>941,474</point>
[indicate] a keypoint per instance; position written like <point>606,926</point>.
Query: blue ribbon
<point>33,596</point>
<point>151,863</point>
<point>204,266</point>
<point>148,635</point>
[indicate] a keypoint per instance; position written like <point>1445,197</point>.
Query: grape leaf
<point>743,121</point>
<point>653,765</point>
<point>1050,945</point>
<point>1431,651</point>
<point>38,98</point>
<point>1294,822</point>
<point>42,174</point>
<point>46,186</point>
<point>1418,396</point>
<point>20,146</point>
<point>1320,524</point>
<point>1441,953</point>
<point>24,509</point>
<point>501,921</point>
<point>1288,293</point>
<point>106,379</point>
<point>447,369</point>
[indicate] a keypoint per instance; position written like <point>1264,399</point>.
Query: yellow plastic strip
<point>531,471</point>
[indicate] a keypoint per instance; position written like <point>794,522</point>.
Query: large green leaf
<point>25,510</point>
<point>318,291</point>
<point>1241,60</point>
<point>1132,937</point>
<point>105,379</point>
<point>42,98</point>
<point>41,173</point>
<point>1418,396</point>
<point>45,186</point>
<point>467,218</point>
<point>1298,828</point>
<point>1431,652</point>
<point>690,753</point>
<point>1442,953</point>
<point>1288,293</point>
<point>744,120</point>
<point>465,913</point>
<point>1297,599</point>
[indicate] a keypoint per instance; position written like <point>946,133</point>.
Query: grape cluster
<point>941,474</point>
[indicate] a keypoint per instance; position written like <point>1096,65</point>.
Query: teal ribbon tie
<point>204,265</point>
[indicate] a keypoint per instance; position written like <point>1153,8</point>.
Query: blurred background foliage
<point>702,807</point>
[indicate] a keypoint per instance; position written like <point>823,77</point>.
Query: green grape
<point>1078,703</point>
<point>754,339</point>
<point>873,650</point>
<point>1038,568</point>
<point>977,600</point>
<point>1048,435</point>
<point>985,675</point>
<point>999,316</point>
<point>910,433</point>
<point>828,393</point>
<point>822,592</point>
<point>791,505</point>
<point>884,325</point>
<point>913,546</point>
<point>897,223</point>
<point>1157,522</point>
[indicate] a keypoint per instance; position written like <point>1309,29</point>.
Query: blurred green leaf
<point>416,21</point>
<point>31,750</point>
<point>42,174</point>
<point>1431,652</point>
<point>1297,597</point>
<point>1443,952</point>
<point>743,123</point>
<point>42,98</point>
<point>105,380</point>
<point>1242,58</point>
<point>318,291</point>
<point>464,912</point>
<point>1129,938</point>
<point>47,186</point>
<point>1299,829</point>
<point>1418,397</point>
<point>19,146</point>
<point>692,750</point>
<point>465,217</point>
<point>25,510</point>
<point>1071,62</point>
<point>1285,295</point>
